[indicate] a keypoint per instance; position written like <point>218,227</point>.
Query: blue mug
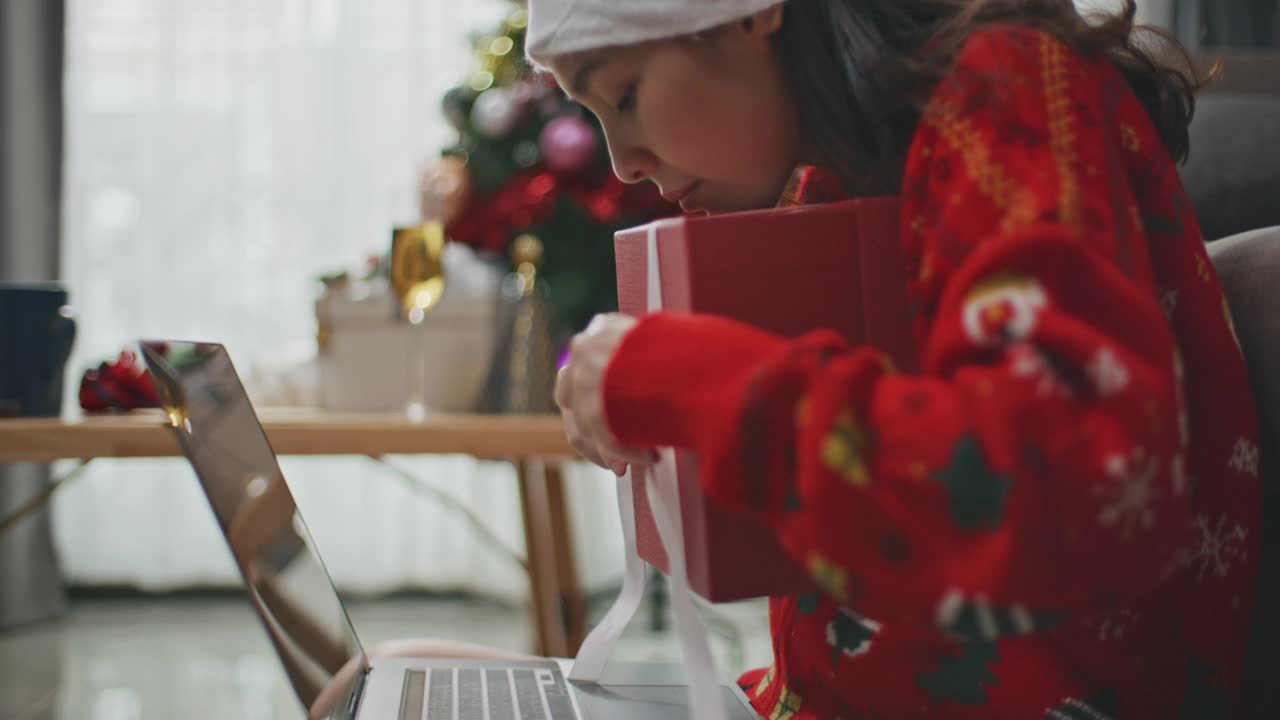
<point>36,334</point>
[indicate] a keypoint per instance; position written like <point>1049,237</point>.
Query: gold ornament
<point>526,255</point>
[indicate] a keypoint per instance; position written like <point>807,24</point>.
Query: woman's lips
<point>684,198</point>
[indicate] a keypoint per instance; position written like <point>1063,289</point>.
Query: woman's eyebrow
<point>580,78</point>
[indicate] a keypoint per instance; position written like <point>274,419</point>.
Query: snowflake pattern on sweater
<point>1057,516</point>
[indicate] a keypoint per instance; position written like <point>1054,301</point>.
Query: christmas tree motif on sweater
<point>849,635</point>
<point>962,678</point>
<point>975,493</point>
<point>1003,309</point>
<point>807,604</point>
<point>844,450</point>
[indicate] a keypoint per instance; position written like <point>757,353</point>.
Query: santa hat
<point>558,27</point>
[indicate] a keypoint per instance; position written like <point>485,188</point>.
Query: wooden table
<point>534,444</point>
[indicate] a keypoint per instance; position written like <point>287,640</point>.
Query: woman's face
<point>707,118</point>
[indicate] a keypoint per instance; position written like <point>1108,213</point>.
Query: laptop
<point>304,617</point>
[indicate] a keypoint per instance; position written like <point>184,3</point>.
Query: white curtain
<point>220,156</point>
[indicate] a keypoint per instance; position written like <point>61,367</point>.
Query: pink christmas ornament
<point>568,145</point>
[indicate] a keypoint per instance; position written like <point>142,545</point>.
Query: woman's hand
<point>580,394</point>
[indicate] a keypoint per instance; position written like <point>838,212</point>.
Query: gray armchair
<point>1249,267</point>
<point>1233,173</point>
<point>1233,178</point>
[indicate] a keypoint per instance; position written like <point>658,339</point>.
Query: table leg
<point>573,605</point>
<point>36,502</point>
<point>556,600</point>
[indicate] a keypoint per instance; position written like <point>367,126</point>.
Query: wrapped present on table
<point>838,266</point>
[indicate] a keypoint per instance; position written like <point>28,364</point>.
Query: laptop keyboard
<point>485,694</point>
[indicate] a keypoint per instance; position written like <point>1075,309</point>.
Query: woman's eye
<point>628,101</point>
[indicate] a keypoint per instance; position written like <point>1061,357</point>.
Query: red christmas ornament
<point>529,198</point>
<point>488,223</point>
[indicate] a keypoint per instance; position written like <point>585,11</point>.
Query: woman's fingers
<point>593,441</point>
<point>632,456</point>
<point>562,391</point>
<point>579,394</point>
<point>580,442</point>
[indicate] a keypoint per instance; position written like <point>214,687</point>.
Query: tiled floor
<point>206,657</point>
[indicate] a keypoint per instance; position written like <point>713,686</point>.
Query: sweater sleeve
<point>1033,469</point>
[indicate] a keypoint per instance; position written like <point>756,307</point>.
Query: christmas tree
<point>962,678</point>
<point>529,162</point>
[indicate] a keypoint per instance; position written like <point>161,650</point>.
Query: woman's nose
<point>634,164</point>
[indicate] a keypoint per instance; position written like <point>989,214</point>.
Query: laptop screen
<point>286,579</point>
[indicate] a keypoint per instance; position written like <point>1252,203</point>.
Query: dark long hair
<point>861,70</point>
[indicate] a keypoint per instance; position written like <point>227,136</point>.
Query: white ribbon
<point>594,654</point>
<point>662,488</point>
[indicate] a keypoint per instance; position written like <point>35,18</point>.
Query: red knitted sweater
<point>1058,516</point>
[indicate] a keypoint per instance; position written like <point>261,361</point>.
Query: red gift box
<point>838,266</point>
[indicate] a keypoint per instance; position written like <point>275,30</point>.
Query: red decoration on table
<point>123,384</point>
